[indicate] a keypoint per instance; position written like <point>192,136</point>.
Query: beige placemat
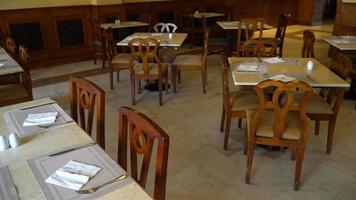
<point>44,166</point>
<point>7,187</point>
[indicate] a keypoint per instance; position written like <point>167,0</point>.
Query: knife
<point>72,149</point>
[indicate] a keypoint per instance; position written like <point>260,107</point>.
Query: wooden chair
<point>327,106</point>
<point>97,41</point>
<point>280,123</point>
<point>308,44</point>
<point>85,99</point>
<point>10,47</point>
<point>145,18</point>
<point>146,70</point>
<point>2,37</point>
<point>194,62</point>
<point>246,31</point>
<point>188,26</point>
<point>142,132</point>
<point>259,48</point>
<point>167,55</point>
<point>235,104</point>
<point>117,61</point>
<point>280,33</point>
<point>20,89</point>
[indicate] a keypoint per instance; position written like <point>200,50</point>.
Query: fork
<point>94,189</point>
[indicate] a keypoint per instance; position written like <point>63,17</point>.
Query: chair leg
<point>103,60</point>
<point>166,84</point>
<point>133,92</point>
<point>139,86</point>
<point>293,152</point>
<point>317,127</point>
<point>239,123</point>
<point>203,79</point>
<point>298,165</point>
<point>222,119</point>
<point>118,75</point>
<point>160,90</point>
<point>227,130</point>
<point>331,128</point>
<point>174,78</point>
<point>246,140</point>
<point>250,150</point>
<point>95,59</point>
<point>111,71</point>
<point>179,76</point>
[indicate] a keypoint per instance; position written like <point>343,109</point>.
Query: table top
<point>207,15</point>
<point>123,24</point>
<point>320,76</point>
<point>176,39</point>
<point>344,43</point>
<point>44,144</point>
<point>11,69</point>
<point>234,25</point>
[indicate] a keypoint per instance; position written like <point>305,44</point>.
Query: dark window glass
<point>28,34</point>
<point>70,32</point>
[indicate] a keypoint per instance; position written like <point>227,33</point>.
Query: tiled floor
<point>199,168</point>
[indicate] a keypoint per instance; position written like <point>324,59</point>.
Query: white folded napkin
<point>73,175</point>
<point>40,119</point>
<point>247,67</point>
<point>2,64</point>
<point>273,60</point>
<point>282,77</point>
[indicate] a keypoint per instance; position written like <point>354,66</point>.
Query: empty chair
<point>166,54</point>
<point>139,133</point>
<point>308,44</point>
<point>280,121</point>
<point>150,67</point>
<point>86,98</point>
<point>194,62</point>
<point>280,33</point>
<point>97,42</point>
<point>246,31</point>
<point>235,104</point>
<point>14,89</point>
<point>117,61</point>
<point>10,47</point>
<point>259,48</point>
<point>327,106</point>
<point>165,28</point>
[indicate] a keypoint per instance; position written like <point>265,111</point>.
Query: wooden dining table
<point>165,39</point>
<point>199,15</point>
<point>234,25</point>
<point>123,24</point>
<point>319,77</point>
<point>54,140</point>
<point>343,43</point>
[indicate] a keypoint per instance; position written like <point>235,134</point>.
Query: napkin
<point>282,77</point>
<point>2,64</point>
<point>273,60</point>
<point>40,119</point>
<point>73,175</point>
<point>247,67</point>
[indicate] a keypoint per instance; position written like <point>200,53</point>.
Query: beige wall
<point>19,4</point>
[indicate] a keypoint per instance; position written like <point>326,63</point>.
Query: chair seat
<point>122,58</point>
<point>293,124</point>
<point>13,93</point>
<point>317,105</point>
<point>243,100</point>
<point>188,60</point>
<point>153,68</point>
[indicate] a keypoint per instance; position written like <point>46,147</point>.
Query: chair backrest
<point>165,28</point>
<point>26,76</point>
<point>259,48</point>
<point>282,102</point>
<point>225,81</point>
<point>145,50</point>
<point>341,65</point>
<point>10,46</point>
<point>2,37</point>
<point>282,27</point>
<point>308,44</point>
<point>85,99</point>
<point>142,132</point>
<point>95,28</point>
<point>246,31</point>
<point>109,44</point>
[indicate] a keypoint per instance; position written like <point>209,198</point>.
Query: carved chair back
<point>86,98</point>
<point>26,76</point>
<point>259,48</point>
<point>109,44</point>
<point>140,133</point>
<point>282,102</point>
<point>95,28</point>
<point>246,30</point>
<point>308,44</point>
<point>10,46</point>
<point>165,28</point>
<point>145,50</point>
